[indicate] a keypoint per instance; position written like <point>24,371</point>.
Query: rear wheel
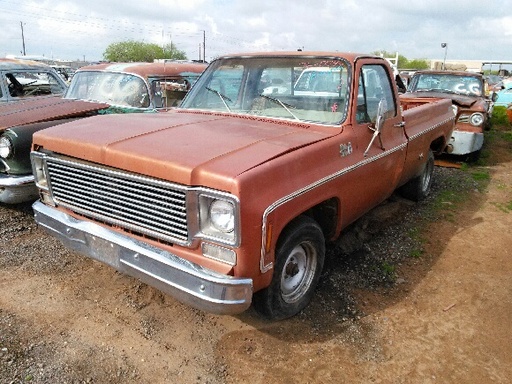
<point>418,188</point>
<point>300,255</point>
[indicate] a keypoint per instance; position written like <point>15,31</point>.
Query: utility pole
<point>445,46</point>
<point>22,38</point>
<point>204,46</point>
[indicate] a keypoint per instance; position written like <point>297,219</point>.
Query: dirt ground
<point>440,313</point>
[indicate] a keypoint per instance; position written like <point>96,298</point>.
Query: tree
<point>403,62</point>
<point>416,64</point>
<point>131,51</point>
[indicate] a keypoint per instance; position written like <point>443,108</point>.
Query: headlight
<point>6,147</point>
<point>476,119</point>
<point>219,218</point>
<point>38,170</point>
<point>222,215</point>
<point>40,176</point>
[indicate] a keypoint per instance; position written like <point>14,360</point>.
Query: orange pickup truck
<point>230,199</point>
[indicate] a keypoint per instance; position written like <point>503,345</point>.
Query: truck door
<point>377,123</point>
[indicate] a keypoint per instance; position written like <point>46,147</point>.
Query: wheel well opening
<point>326,215</point>
<point>438,145</point>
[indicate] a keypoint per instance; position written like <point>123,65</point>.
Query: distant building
<point>472,65</point>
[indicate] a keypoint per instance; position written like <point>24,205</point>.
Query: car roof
<point>20,64</point>
<point>455,73</point>
<point>166,68</point>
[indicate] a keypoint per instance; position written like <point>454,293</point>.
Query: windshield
<point>306,89</point>
<point>118,89</point>
<point>448,83</point>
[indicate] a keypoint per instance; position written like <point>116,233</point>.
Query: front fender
<point>21,138</point>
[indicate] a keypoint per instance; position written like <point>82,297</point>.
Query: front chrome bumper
<point>190,283</point>
<point>462,143</point>
<point>17,189</point>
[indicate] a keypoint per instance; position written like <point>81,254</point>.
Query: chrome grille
<point>463,119</point>
<point>140,204</point>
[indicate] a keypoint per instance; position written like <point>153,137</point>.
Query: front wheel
<point>418,188</point>
<point>300,255</point>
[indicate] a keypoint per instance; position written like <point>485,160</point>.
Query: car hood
<point>464,101</point>
<point>41,109</point>
<point>189,148</point>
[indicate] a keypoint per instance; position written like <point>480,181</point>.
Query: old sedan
<point>98,89</point>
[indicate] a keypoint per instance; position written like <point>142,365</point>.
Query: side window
<point>374,85</point>
<point>30,83</point>
<point>275,81</point>
<point>362,110</point>
<point>168,92</point>
<point>224,87</point>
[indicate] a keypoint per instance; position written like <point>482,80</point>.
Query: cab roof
<point>350,56</point>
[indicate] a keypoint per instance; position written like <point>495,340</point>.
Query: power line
<point>101,22</point>
<point>77,22</point>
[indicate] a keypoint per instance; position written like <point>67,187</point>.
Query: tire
<point>419,188</point>
<point>299,260</point>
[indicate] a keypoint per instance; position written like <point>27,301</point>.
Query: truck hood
<point>464,101</point>
<point>189,148</point>
<point>39,109</point>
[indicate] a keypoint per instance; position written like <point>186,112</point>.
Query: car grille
<point>140,204</point>
<point>463,119</point>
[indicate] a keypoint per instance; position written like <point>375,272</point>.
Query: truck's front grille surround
<point>463,119</point>
<point>140,204</point>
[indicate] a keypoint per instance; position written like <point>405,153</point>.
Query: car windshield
<point>306,89</point>
<point>119,89</point>
<point>447,83</point>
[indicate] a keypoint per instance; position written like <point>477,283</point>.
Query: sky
<point>82,30</point>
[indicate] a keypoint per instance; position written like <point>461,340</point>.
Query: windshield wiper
<point>222,97</point>
<point>284,105</point>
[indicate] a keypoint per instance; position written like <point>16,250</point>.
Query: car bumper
<point>17,189</point>
<point>462,143</point>
<point>190,283</point>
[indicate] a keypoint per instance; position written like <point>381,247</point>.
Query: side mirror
<point>494,96</point>
<point>379,123</point>
<point>381,114</point>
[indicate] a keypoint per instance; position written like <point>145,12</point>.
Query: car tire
<point>419,188</point>
<point>299,260</point>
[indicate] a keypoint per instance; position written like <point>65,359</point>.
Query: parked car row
<point>98,89</point>
<point>34,93</point>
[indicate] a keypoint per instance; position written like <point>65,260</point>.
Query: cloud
<point>74,29</point>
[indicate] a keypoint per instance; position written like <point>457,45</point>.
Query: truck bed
<point>423,117</point>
